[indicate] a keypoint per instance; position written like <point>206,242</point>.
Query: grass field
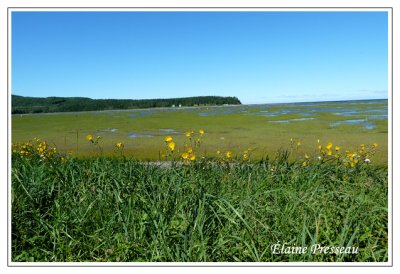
<point>299,174</point>
<point>263,128</point>
<point>115,209</point>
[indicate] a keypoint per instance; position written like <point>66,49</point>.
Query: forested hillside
<point>21,104</point>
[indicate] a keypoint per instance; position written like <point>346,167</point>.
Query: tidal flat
<point>262,128</point>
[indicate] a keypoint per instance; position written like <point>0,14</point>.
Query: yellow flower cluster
<point>36,149</point>
<point>170,147</point>
<point>350,158</point>
<point>170,143</point>
<point>89,137</point>
<point>193,140</point>
<point>227,156</point>
<point>362,155</point>
<point>188,153</point>
<point>328,149</point>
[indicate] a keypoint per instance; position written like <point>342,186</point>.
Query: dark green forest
<point>21,104</point>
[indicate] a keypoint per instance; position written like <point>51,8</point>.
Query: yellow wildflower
<point>188,134</point>
<point>192,157</point>
<point>185,155</point>
<point>171,146</point>
<point>189,150</point>
<point>119,145</point>
<point>329,152</point>
<point>168,139</point>
<point>320,147</point>
<point>374,145</point>
<point>306,156</point>
<point>228,154</point>
<point>201,132</point>
<point>337,148</point>
<point>89,137</point>
<point>329,145</point>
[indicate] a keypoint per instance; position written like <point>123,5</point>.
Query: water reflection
<point>366,124</point>
<point>138,135</point>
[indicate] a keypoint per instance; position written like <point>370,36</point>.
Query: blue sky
<point>260,57</point>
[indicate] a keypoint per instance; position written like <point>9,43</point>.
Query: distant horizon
<point>263,103</point>
<point>259,57</point>
<point>247,103</point>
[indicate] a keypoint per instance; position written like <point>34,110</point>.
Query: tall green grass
<point>117,209</point>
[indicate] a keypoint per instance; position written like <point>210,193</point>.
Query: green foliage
<point>21,105</point>
<point>119,209</point>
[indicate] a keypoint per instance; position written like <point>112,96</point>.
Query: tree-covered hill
<point>21,104</point>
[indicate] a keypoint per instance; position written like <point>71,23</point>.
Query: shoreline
<point>194,107</point>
